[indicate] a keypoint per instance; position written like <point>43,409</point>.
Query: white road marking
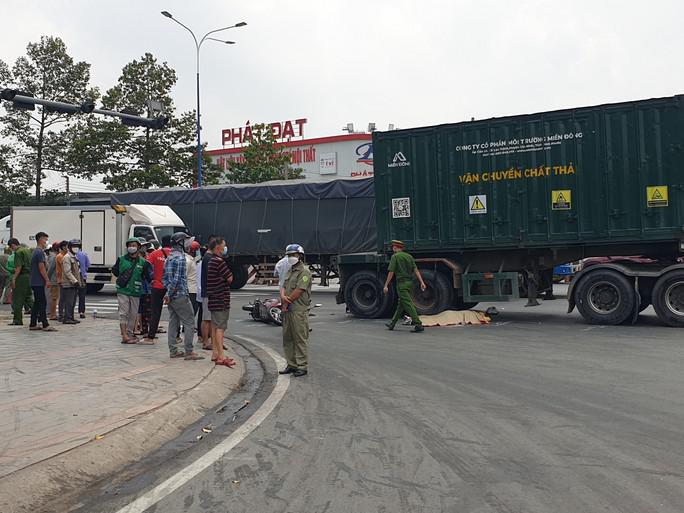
<point>173,483</point>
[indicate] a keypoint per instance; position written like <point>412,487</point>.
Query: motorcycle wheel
<point>276,315</point>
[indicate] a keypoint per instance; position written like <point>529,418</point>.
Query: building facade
<point>322,158</point>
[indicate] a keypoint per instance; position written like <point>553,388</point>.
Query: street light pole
<point>198,46</point>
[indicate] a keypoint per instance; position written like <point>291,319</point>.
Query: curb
<point>61,477</point>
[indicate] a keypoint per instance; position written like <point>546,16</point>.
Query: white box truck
<point>4,232</point>
<point>102,229</point>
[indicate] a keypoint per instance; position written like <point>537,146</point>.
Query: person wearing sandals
<point>130,270</point>
<point>218,283</point>
<point>175,280</point>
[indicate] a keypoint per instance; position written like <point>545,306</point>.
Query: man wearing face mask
<point>202,271</point>
<point>296,302</point>
<point>71,281</point>
<point>281,269</point>
<point>130,270</point>
<point>175,280</point>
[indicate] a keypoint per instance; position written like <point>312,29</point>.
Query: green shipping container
<point>595,176</point>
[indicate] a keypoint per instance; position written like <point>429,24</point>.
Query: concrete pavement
<point>79,385</point>
<point>536,412</point>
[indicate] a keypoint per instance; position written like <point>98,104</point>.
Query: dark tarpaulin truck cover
<point>261,219</point>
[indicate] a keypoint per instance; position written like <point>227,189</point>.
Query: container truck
<point>260,220</point>
<point>489,207</point>
<point>102,230</point>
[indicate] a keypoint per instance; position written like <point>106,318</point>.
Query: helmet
<point>179,238</point>
<point>194,246</point>
<point>294,248</point>
<point>142,241</point>
<point>74,243</point>
<point>56,245</point>
<point>131,240</point>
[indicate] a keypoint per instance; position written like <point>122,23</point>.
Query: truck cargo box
<point>326,218</point>
<point>586,176</point>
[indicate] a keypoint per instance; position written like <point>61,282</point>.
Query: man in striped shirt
<point>175,280</point>
<point>219,279</point>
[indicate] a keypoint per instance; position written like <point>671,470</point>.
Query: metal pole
<point>68,196</point>
<point>199,126</point>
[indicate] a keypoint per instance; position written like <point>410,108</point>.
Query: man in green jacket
<point>404,267</point>
<point>130,269</point>
<point>21,295</point>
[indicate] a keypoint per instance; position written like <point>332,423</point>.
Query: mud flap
<point>637,302</point>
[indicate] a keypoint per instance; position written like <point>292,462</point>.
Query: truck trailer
<point>102,230</point>
<point>260,220</point>
<point>489,207</point>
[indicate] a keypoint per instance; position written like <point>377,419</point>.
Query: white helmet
<point>294,248</point>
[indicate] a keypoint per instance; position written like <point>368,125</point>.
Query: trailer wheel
<point>668,298</point>
<point>240,276</point>
<point>605,297</point>
<point>364,296</point>
<point>92,288</point>
<point>437,296</point>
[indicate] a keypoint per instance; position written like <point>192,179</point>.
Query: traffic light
<point>18,103</point>
<point>131,118</point>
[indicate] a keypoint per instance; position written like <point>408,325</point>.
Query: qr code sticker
<point>401,207</point>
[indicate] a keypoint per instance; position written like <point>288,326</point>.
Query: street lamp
<point>198,45</point>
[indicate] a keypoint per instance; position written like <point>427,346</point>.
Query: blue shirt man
<point>175,278</point>
<point>84,261</point>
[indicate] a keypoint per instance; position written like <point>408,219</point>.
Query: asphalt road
<point>537,412</point>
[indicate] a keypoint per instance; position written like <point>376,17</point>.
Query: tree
<point>15,183</point>
<point>36,137</point>
<point>264,160</point>
<point>134,157</point>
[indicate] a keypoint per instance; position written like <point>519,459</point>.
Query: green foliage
<point>264,160</point>
<point>48,72</point>
<point>135,157</point>
<point>14,183</point>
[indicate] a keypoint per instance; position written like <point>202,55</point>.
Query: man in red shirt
<point>157,259</point>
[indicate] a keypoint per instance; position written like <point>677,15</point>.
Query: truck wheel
<point>668,298</point>
<point>92,288</point>
<point>437,296</point>
<point>240,276</point>
<point>605,297</point>
<point>364,295</point>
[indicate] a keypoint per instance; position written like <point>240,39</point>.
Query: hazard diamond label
<point>561,200</point>
<point>478,204</point>
<point>656,196</point>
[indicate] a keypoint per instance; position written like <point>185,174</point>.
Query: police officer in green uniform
<point>404,267</point>
<point>297,299</point>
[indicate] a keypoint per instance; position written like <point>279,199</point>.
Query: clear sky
<point>406,62</point>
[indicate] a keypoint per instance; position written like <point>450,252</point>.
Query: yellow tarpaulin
<point>454,318</point>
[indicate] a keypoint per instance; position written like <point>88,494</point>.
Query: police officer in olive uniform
<point>297,299</point>
<point>404,267</point>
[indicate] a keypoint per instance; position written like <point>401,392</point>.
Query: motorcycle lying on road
<point>266,310</point>
<point>269,310</point>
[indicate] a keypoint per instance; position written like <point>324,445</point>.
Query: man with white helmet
<point>296,302</point>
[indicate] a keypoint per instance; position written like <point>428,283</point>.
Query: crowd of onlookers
<point>193,281</point>
<point>47,283</point>
<point>50,284</point>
